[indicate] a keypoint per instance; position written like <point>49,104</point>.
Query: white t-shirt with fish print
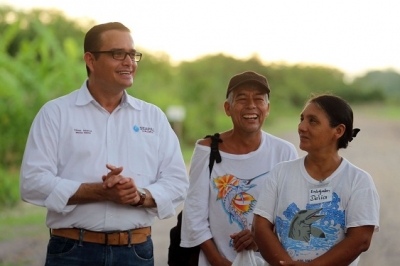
<point>223,204</point>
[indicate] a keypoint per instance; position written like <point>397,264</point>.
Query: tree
<point>379,83</point>
<point>37,63</point>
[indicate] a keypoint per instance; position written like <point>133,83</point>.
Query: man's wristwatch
<point>142,195</point>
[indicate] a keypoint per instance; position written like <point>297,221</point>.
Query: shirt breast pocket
<point>143,154</point>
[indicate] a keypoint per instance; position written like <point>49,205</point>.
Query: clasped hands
<point>119,189</point>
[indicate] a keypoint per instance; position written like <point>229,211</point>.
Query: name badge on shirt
<point>320,195</point>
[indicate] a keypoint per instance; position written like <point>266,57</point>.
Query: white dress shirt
<point>71,140</point>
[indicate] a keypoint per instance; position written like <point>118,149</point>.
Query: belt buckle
<point>109,237</point>
<point>114,237</point>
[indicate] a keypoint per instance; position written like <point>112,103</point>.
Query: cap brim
<point>248,81</point>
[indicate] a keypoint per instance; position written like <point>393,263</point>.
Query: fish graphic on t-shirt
<point>236,200</point>
<point>301,226</point>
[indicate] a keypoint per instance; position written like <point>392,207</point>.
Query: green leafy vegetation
<point>9,189</point>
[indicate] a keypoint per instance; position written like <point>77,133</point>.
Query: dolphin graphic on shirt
<point>301,225</point>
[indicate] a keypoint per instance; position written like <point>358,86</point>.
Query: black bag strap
<point>214,152</point>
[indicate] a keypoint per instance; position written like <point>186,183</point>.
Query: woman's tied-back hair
<point>93,40</point>
<point>338,112</point>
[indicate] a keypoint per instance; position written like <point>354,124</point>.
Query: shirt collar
<point>84,98</point>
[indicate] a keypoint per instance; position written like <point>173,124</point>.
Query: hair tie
<point>354,133</point>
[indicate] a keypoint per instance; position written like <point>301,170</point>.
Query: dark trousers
<point>68,252</point>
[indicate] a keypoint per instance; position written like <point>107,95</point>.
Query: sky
<point>354,36</point>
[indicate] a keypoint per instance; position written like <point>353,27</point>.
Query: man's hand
<point>244,240</point>
<point>119,189</point>
<point>114,171</point>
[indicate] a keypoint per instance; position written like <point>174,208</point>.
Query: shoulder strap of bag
<point>214,152</point>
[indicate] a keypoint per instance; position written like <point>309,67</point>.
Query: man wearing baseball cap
<point>248,77</point>
<point>218,211</point>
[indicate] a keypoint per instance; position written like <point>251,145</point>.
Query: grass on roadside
<point>22,219</point>
<point>382,111</point>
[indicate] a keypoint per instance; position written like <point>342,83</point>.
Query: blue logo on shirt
<point>143,129</point>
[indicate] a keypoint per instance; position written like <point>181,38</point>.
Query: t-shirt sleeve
<point>195,225</point>
<point>267,199</point>
<point>363,206</point>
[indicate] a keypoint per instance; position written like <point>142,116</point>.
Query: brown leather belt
<point>118,238</point>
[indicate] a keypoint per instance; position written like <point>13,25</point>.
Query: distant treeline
<point>41,57</point>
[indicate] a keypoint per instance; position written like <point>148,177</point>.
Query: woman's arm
<point>357,241</point>
<point>212,254</point>
<point>345,252</point>
<point>267,241</point>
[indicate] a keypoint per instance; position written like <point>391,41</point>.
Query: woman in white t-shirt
<point>319,209</point>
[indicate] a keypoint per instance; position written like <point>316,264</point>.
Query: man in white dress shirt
<point>102,162</point>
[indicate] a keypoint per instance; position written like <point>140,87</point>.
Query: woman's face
<point>315,132</point>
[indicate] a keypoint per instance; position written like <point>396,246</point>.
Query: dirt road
<point>376,150</point>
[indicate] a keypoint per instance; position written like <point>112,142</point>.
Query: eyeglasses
<point>121,54</point>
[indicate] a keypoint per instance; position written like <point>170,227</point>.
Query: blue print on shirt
<point>313,229</point>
